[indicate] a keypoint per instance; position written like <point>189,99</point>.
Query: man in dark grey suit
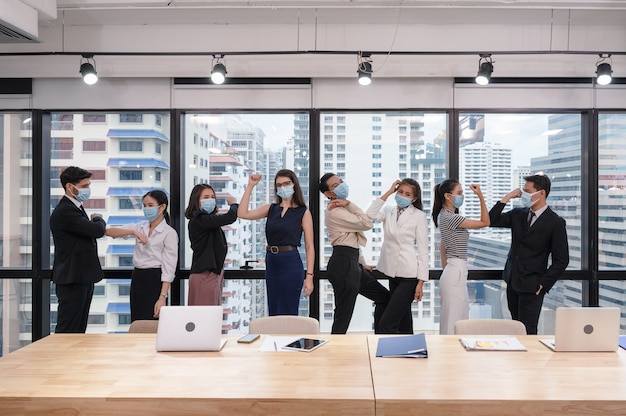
<point>536,233</point>
<point>76,264</point>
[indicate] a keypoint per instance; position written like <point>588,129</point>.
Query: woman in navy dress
<point>287,220</point>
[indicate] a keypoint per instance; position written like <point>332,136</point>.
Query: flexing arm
<point>497,219</point>
<point>350,219</point>
<point>484,220</point>
<point>125,232</point>
<point>243,211</point>
<point>74,222</point>
<point>210,221</point>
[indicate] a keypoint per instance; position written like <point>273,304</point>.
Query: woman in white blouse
<point>404,253</point>
<point>154,258</point>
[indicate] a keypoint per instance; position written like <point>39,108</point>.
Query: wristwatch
<point>164,295</point>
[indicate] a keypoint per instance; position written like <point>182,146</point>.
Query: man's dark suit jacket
<point>75,248</point>
<point>527,263</point>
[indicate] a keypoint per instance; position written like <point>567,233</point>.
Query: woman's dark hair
<point>417,191</point>
<point>161,198</point>
<point>298,196</point>
<point>194,199</point>
<point>440,190</point>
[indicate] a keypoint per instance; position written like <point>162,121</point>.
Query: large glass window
<point>114,170</point>
<point>497,151</point>
<point>232,147</point>
<point>611,206</point>
<point>16,245</point>
<point>424,156</point>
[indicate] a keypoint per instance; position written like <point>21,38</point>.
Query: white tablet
<point>305,344</point>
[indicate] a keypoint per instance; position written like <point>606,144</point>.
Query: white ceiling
<point>458,29</point>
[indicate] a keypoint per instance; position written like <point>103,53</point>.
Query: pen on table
<point>415,351</point>
<point>275,347</point>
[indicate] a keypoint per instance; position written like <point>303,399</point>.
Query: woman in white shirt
<point>154,258</point>
<point>404,253</point>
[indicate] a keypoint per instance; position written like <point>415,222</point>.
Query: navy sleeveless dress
<point>284,271</point>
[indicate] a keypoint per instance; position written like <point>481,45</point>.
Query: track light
<point>364,69</point>
<point>485,68</point>
<point>88,69</point>
<point>603,70</point>
<point>218,73</point>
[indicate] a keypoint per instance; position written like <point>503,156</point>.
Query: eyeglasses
<point>281,185</point>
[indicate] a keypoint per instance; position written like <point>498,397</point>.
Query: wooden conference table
<point>537,382</point>
<point>122,374</point>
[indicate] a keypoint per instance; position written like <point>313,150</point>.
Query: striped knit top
<point>454,239</point>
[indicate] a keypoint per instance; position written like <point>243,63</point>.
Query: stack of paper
<point>489,343</point>
<point>413,346</point>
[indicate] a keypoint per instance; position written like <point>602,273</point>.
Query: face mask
<point>83,194</point>
<point>458,201</point>
<point>527,199</point>
<point>208,205</point>
<point>285,192</point>
<point>342,190</point>
<point>402,201</point>
<point>151,213</point>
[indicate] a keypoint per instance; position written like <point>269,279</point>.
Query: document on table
<point>413,346</point>
<point>622,341</point>
<point>271,343</point>
<point>492,343</point>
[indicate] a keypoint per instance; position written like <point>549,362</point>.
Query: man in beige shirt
<point>345,224</point>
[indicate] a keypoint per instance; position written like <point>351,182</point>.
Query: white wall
<point>427,94</point>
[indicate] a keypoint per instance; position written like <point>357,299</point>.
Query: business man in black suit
<point>537,232</point>
<point>76,264</point>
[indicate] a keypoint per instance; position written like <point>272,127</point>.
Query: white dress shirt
<point>161,250</point>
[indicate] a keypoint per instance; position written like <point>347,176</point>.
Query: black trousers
<point>349,279</point>
<point>145,289</point>
<point>73,309</point>
<point>525,307</point>
<point>397,317</point>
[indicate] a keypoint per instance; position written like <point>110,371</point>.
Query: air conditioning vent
<point>8,34</point>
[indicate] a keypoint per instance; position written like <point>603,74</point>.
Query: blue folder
<point>403,346</point>
<point>622,341</point>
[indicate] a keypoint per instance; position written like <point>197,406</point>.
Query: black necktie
<point>84,212</point>
<point>531,214</point>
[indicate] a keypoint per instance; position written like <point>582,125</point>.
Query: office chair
<point>284,324</point>
<point>147,326</point>
<point>489,327</point>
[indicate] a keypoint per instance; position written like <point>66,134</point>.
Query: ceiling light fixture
<point>88,69</point>
<point>218,73</point>
<point>364,68</point>
<point>603,69</point>
<point>485,68</point>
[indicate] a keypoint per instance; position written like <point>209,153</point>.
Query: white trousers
<point>454,298</point>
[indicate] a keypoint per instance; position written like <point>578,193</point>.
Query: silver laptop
<point>190,328</point>
<point>585,329</point>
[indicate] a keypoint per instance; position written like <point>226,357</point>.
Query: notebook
<point>585,329</point>
<point>190,328</point>
<point>492,343</point>
<point>403,346</point>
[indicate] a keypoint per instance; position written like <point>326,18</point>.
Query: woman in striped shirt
<point>454,236</point>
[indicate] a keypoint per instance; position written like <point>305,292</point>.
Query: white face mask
<point>83,194</point>
<point>527,199</point>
